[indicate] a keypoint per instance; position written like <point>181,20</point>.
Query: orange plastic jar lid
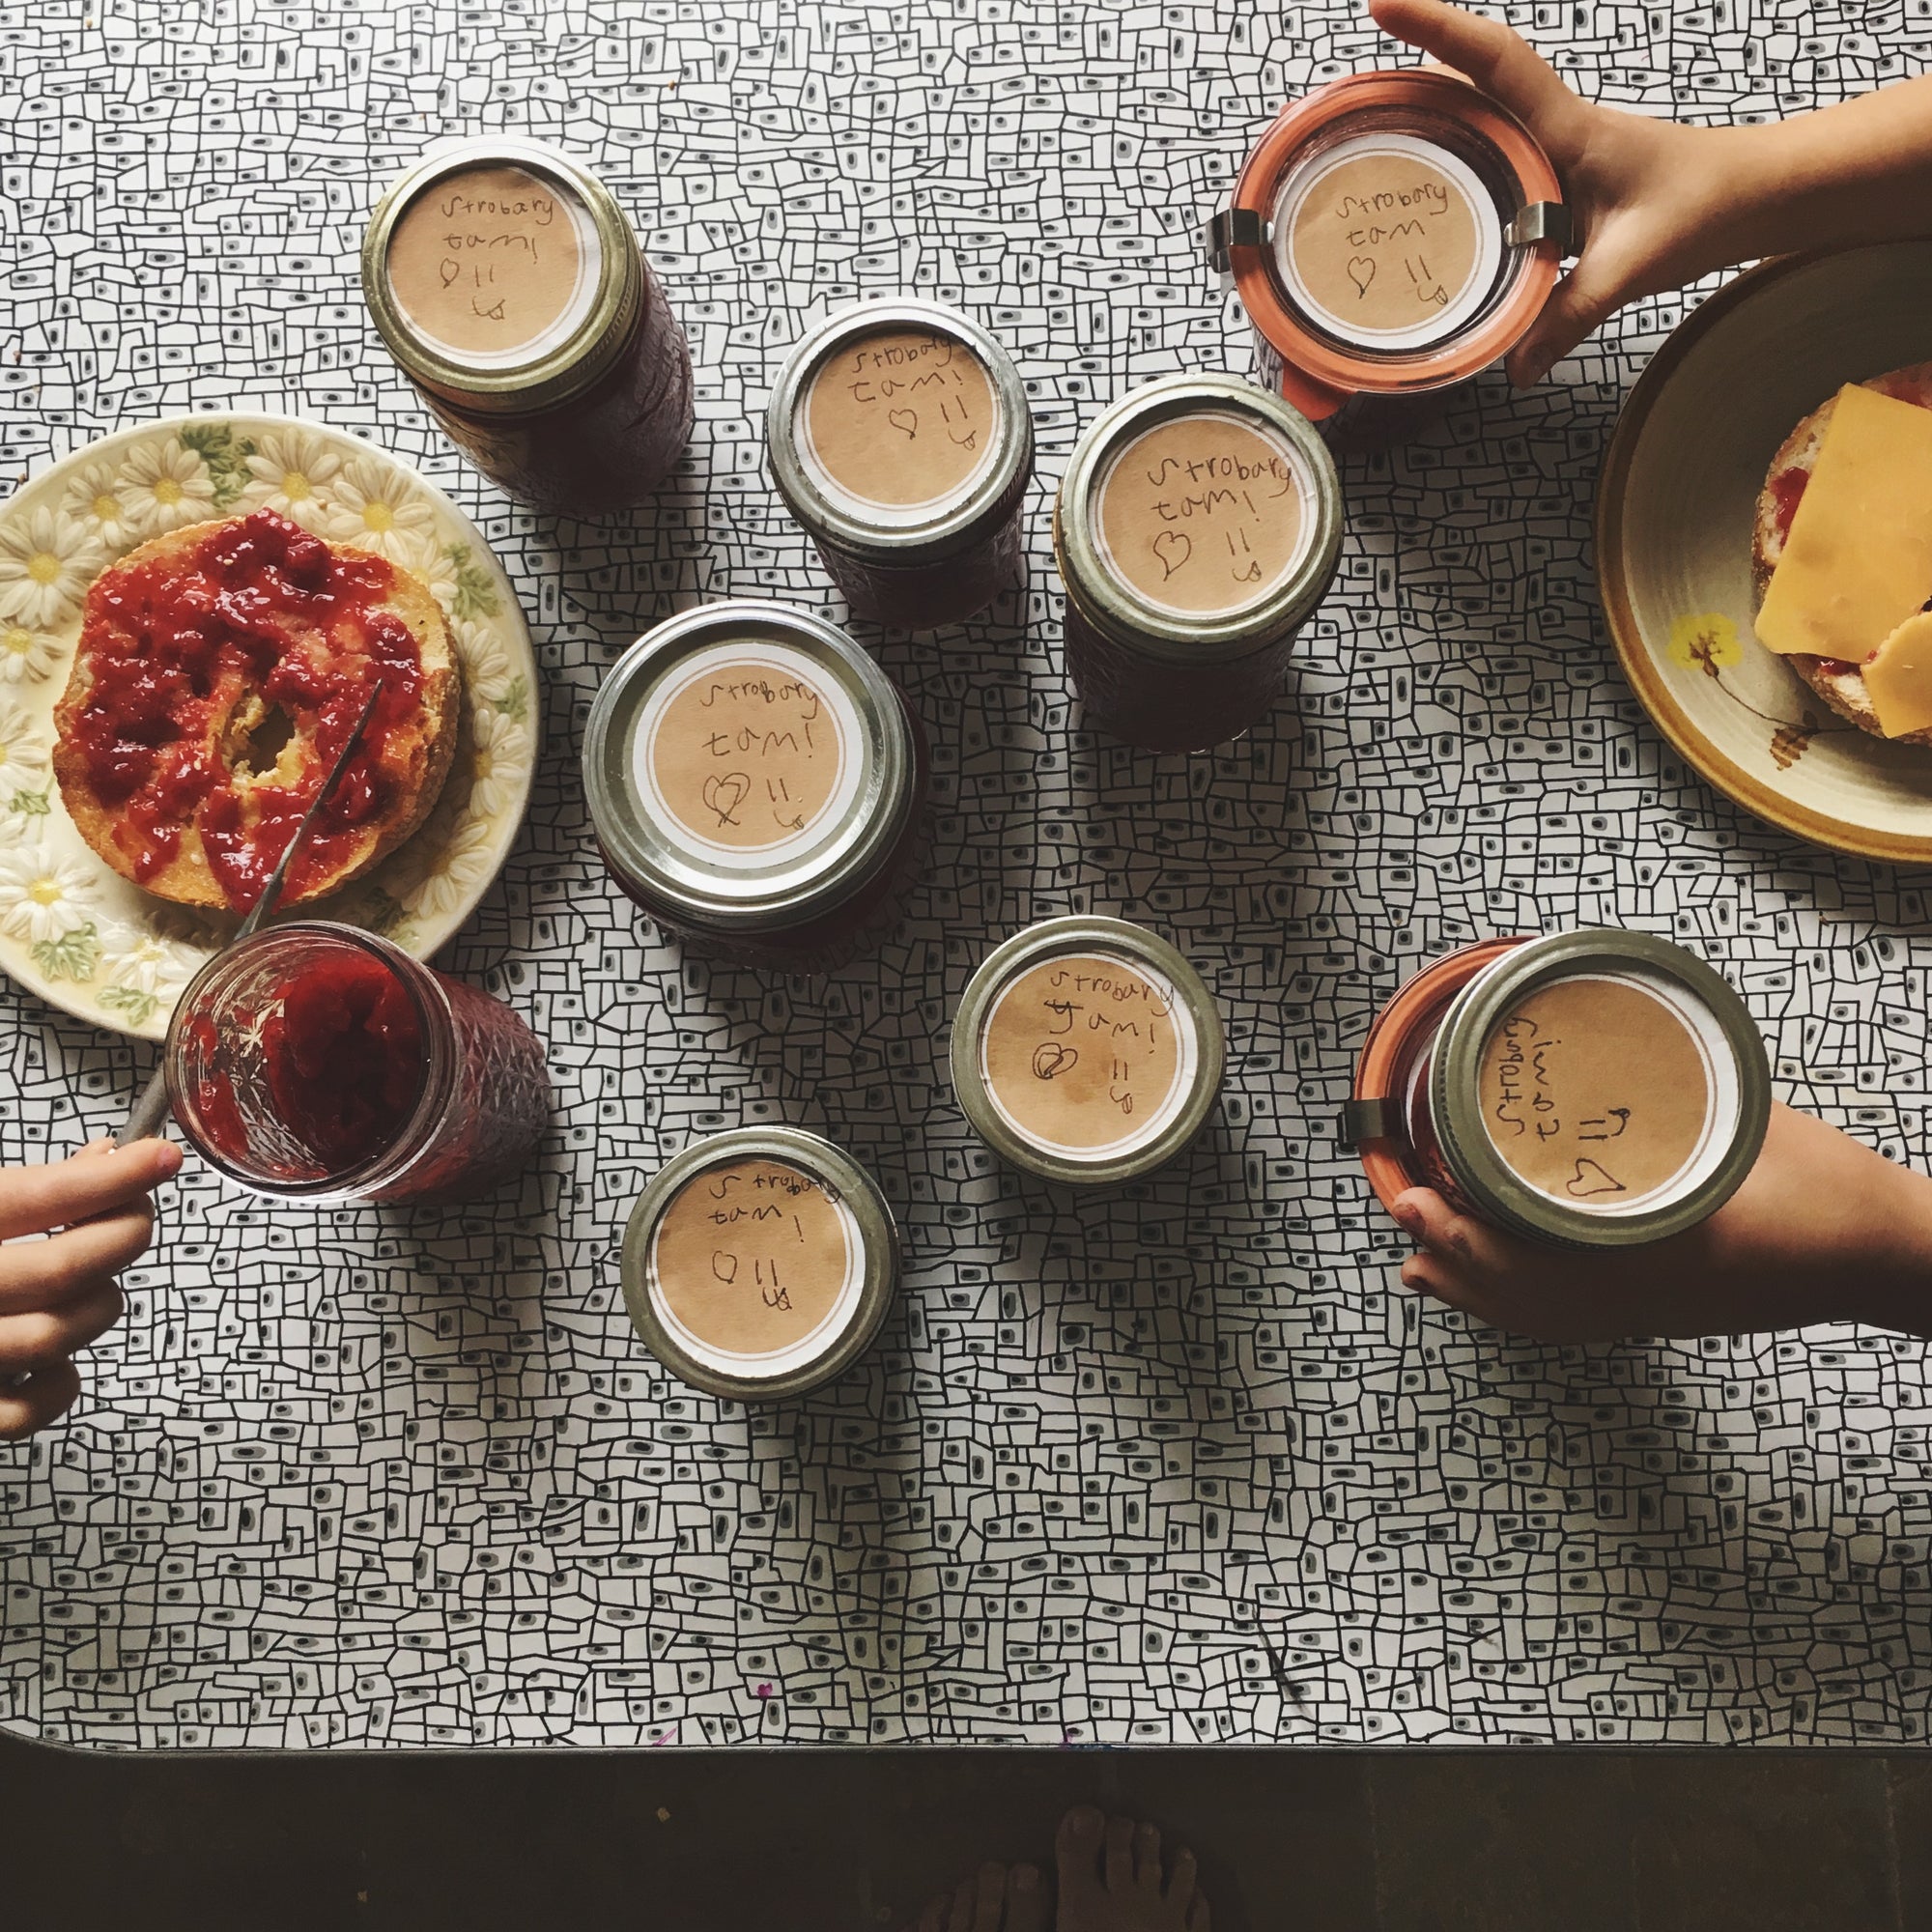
<point>1391,232</point>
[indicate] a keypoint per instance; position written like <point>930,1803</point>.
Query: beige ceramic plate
<point>1674,541</point>
<point>71,928</point>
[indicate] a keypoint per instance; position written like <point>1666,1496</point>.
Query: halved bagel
<point>220,668</point>
<point>1840,685</point>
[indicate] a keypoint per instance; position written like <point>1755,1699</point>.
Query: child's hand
<point>58,1295</point>
<point>1822,1229</point>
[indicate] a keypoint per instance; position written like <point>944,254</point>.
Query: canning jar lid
<point>1087,1049</point>
<point>932,390</point>
<point>749,765</point>
<point>1200,518</point>
<point>759,1264</point>
<point>1392,231</point>
<point>502,274</point>
<point>1599,1089</point>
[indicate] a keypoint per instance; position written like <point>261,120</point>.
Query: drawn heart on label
<point>1051,1058</point>
<point>1591,1178</point>
<point>724,1266</point>
<point>1361,272</point>
<point>723,793</point>
<point>1171,550</point>
<point>904,419</point>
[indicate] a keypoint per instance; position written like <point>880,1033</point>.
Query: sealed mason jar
<point>316,1061</point>
<point>1087,1050</point>
<point>757,784</point>
<point>1198,524</point>
<point>759,1264</point>
<point>1595,1090</point>
<point>900,437</point>
<point>511,289</point>
<point>1390,234</point>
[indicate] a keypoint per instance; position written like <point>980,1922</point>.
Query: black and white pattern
<point>1184,1465</point>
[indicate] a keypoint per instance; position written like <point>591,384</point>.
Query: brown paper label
<point>486,261</point>
<point>752,1257</point>
<point>1385,241</point>
<point>903,417</point>
<point>1083,1053</point>
<point>748,755</point>
<point>1595,1092</point>
<point>1202,514</point>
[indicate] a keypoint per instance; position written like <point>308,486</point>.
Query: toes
<point>1180,1884</point>
<point>1118,1860</point>
<point>1198,1916</point>
<point>1076,1851</point>
<point>1025,1900</point>
<point>992,1898</point>
<point>965,1902</point>
<point>933,1918</point>
<point>1147,1858</point>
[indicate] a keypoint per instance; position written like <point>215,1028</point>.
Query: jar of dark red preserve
<point>510,287</point>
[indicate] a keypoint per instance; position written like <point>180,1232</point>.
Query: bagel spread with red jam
<point>219,671</point>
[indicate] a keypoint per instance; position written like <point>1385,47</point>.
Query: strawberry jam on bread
<point>219,671</point>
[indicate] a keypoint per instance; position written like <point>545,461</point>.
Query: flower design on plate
<point>152,965</point>
<point>487,668</point>
<point>26,653</point>
<point>47,562</point>
<point>1705,642</point>
<point>454,870</point>
<point>24,775</point>
<point>164,485</point>
<point>431,561</point>
<point>93,500</point>
<point>292,471</point>
<point>45,897</point>
<point>380,508</point>
<point>500,755</point>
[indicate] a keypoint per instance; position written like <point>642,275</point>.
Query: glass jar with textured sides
<point>316,1061</point>
<point>1390,234</point>
<point>1198,524</point>
<point>759,1264</point>
<point>1087,1050</point>
<point>757,785</point>
<point>1594,1089</point>
<point>900,437</point>
<point>511,289</point>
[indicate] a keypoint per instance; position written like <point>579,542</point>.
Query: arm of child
<point>1658,204</point>
<point>58,1295</point>
<point>1822,1229</point>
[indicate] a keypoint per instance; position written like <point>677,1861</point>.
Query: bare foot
<point>993,1899</point>
<point>1822,1229</point>
<point>1111,1881</point>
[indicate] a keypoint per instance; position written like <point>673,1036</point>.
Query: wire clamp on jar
<point>1368,1120</point>
<point>1542,221</point>
<point>1235,228</point>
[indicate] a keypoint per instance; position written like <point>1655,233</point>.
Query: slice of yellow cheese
<point>1859,559</point>
<point>1899,680</point>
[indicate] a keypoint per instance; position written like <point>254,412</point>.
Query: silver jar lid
<point>759,1264</point>
<point>899,374</point>
<point>1087,1049</point>
<point>1599,1089</point>
<point>568,221</point>
<point>1178,496</point>
<point>749,765</point>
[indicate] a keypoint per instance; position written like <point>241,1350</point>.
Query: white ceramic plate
<point>1674,518</point>
<point>71,928</point>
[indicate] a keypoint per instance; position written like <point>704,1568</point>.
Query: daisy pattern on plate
<point>47,562</point>
<point>499,761</point>
<point>380,508</point>
<point>485,662</point>
<point>26,654</point>
<point>147,962</point>
<point>164,485</point>
<point>292,471</point>
<point>23,757</point>
<point>456,870</point>
<point>43,895</point>
<point>429,557</point>
<point>93,500</point>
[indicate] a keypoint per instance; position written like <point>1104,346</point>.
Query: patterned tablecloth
<point>1184,1465</point>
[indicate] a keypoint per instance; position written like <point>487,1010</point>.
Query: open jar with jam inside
<point>757,785</point>
<point>1594,1089</point>
<point>1391,234</point>
<point>900,437</point>
<point>759,1264</point>
<point>511,289</point>
<point>1087,1050</point>
<point>1198,524</point>
<point>320,1063</point>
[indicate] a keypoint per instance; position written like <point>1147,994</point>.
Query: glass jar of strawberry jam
<point>900,437</point>
<point>757,785</point>
<point>509,285</point>
<point>1594,1089</point>
<point>1198,524</point>
<point>1391,234</point>
<point>317,1061</point>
